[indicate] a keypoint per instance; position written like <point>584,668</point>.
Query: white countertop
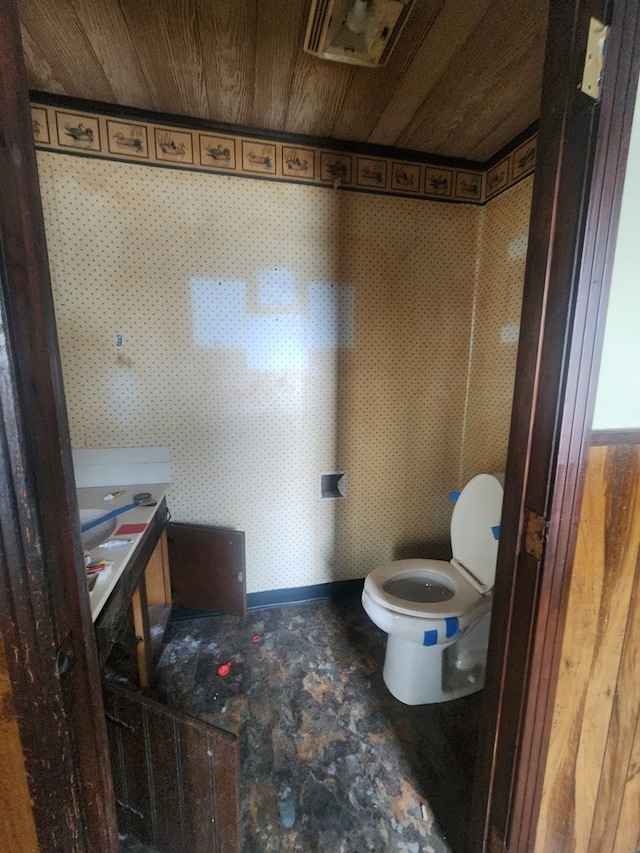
<point>93,498</point>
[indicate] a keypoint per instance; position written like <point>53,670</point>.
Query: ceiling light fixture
<point>360,32</point>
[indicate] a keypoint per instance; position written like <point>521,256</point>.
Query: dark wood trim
<point>582,151</point>
<point>44,606</point>
<point>600,211</point>
<point>610,437</point>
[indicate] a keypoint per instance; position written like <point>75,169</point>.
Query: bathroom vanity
<point>176,777</point>
<point>159,564</point>
<point>137,573</point>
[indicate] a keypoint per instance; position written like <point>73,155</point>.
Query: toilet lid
<point>475,526</point>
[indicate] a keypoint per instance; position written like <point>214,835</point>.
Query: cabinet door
<point>207,568</point>
<point>176,778</point>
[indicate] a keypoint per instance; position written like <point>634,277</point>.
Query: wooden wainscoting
<point>592,779</point>
<point>176,778</point>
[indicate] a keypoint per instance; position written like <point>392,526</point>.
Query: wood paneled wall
<point>17,830</point>
<point>592,781</point>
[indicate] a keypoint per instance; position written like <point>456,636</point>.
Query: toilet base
<point>418,675</point>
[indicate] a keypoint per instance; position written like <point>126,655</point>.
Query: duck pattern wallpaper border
<point>90,133</point>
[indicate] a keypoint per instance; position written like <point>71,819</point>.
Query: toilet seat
<point>475,526</point>
<point>465,596</point>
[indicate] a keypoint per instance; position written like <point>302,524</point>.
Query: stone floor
<point>331,762</point>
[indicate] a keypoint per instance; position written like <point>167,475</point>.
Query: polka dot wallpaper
<point>274,332</point>
<point>502,249</point>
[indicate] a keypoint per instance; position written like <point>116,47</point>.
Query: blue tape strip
<point>430,638</point>
<point>496,531</point>
<point>453,496</point>
<point>453,626</point>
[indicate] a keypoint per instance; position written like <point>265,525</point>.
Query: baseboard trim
<point>334,590</point>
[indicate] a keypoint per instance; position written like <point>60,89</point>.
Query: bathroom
<point>282,286</point>
<point>268,333</point>
<point>403,381</point>
<point>419,341</point>
<point>193,337</point>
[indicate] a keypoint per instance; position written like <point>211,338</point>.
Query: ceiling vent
<point>360,32</point>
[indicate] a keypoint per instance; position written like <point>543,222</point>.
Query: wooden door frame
<point>40,568</point>
<point>582,152</point>
<point>45,621</point>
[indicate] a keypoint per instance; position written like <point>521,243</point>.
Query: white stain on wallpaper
<point>273,339</point>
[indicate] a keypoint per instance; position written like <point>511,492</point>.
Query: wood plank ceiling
<point>463,80</point>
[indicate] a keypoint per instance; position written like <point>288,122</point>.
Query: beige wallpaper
<point>273,332</point>
<point>503,231</point>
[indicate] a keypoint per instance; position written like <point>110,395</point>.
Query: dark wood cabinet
<point>189,565</point>
<point>207,568</point>
<point>129,591</point>
<point>176,778</point>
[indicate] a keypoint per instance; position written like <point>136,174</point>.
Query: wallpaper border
<point>106,135</point>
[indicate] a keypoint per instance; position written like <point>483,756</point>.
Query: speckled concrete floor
<point>331,762</point>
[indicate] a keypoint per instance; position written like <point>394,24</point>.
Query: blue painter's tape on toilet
<point>430,638</point>
<point>453,626</point>
<point>496,532</point>
<point>453,496</point>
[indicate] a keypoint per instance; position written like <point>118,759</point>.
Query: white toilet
<point>437,614</point>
